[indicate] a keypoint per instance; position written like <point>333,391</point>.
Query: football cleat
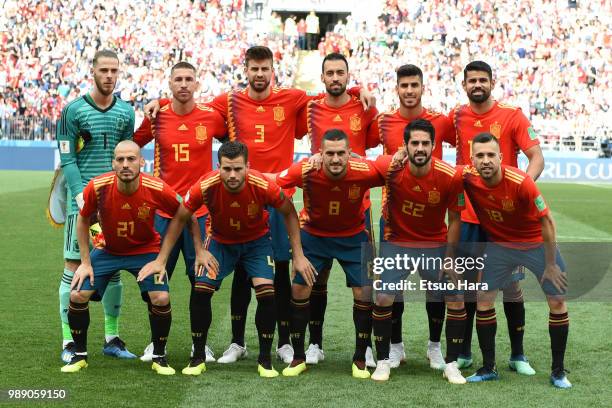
<point>559,379</point>
<point>266,372</point>
<point>520,364</point>
<point>397,355</point>
<point>360,373</point>
<point>160,366</point>
<point>196,367</point>
<point>68,352</point>
<point>285,353</point>
<point>382,372</point>
<point>369,355</point>
<point>233,353</point>
<point>77,362</point>
<point>210,356</point>
<point>314,354</point>
<point>116,348</point>
<point>294,370</point>
<point>434,355</point>
<point>483,374</point>
<point>464,362</point>
<point>452,374</point>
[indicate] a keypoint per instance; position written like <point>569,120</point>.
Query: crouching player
<point>333,227</point>
<point>416,201</point>
<point>521,232</point>
<point>125,202</point>
<point>236,198</point>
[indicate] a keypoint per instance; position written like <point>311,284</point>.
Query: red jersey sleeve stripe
<point>515,175</point>
<point>259,180</point>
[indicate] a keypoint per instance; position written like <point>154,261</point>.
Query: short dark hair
<point>258,53</point>
<point>334,135</point>
<point>233,149</point>
<point>484,137</point>
<point>334,56</point>
<point>409,70</point>
<point>182,65</point>
<point>419,124</point>
<point>104,54</point>
<point>479,66</point>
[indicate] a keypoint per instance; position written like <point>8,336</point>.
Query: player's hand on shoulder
<point>556,276</point>
<point>205,261</point>
<point>83,272</point>
<point>367,98</point>
<point>303,266</point>
<point>315,161</point>
<point>152,268</point>
<point>151,109</point>
<point>400,158</point>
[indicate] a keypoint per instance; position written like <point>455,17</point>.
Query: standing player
<point>88,131</point>
<point>237,198</point>
<point>521,232</point>
<point>389,129</point>
<point>183,131</point>
<point>333,227</point>
<point>416,200</point>
<point>125,203</point>
<point>514,132</point>
<point>337,110</point>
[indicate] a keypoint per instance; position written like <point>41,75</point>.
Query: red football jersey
<point>267,127</point>
<point>235,217</point>
<point>510,211</point>
<point>332,208</point>
<point>389,127</point>
<point>127,221</point>
<point>507,123</point>
<point>414,208</point>
<point>183,145</point>
<point>318,117</point>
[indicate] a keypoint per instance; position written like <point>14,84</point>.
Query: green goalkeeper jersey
<point>86,138</point>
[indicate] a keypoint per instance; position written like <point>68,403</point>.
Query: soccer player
<point>125,202</point>
<point>237,198</point>
<point>333,227</point>
<point>514,132</point>
<point>89,129</point>
<point>389,129</point>
<point>521,232</point>
<point>183,131</point>
<point>264,118</point>
<point>336,110</point>
<point>416,201</point>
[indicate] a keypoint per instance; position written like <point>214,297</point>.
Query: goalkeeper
<point>87,133</point>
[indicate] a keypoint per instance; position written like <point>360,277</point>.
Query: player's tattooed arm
<point>400,158</point>
<point>158,266</point>
<point>552,271</point>
<point>84,270</point>
<point>300,263</point>
<point>151,109</point>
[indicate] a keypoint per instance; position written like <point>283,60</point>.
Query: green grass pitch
<point>31,331</point>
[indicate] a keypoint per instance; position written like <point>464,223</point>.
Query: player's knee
<point>80,296</point>
<point>384,299</point>
<point>362,294</point>
<point>557,304</point>
<point>300,291</point>
<point>513,292</point>
<point>455,305</point>
<point>159,298</point>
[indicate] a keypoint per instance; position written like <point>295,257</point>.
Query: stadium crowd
<point>550,59</point>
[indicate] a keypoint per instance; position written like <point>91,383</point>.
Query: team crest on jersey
<point>496,129</point>
<point>201,134</point>
<point>279,113</point>
<point>354,192</point>
<point>355,123</point>
<point>433,197</point>
<point>252,209</point>
<point>508,205</point>
<point>120,124</point>
<point>144,211</point>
